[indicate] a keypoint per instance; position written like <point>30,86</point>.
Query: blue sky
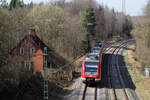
<point>133,7</point>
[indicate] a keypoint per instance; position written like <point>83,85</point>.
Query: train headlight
<point>87,73</point>
<point>91,73</point>
<point>95,73</point>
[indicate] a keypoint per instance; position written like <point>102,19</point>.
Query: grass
<point>135,69</point>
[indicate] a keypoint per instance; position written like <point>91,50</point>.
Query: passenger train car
<point>91,66</point>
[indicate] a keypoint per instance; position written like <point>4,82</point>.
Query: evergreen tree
<point>127,26</point>
<point>16,3</point>
<point>3,4</point>
<point>89,23</point>
<point>86,44</point>
<point>88,20</point>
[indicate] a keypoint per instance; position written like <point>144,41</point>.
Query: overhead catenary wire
<point>67,65</point>
<point>123,12</point>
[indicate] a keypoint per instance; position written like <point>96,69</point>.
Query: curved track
<point>116,84</point>
<point>113,84</point>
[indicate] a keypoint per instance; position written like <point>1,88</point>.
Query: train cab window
<point>91,66</point>
<point>94,57</point>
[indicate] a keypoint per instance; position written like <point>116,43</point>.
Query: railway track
<point>89,93</point>
<point>121,92</point>
<point>112,86</point>
<point>124,77</point>
<point>110,91</point>
<point>92,93</point>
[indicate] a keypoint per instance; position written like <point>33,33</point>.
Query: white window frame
<point>29,65</point>
<point>22,51</point>
<point>32,51</point>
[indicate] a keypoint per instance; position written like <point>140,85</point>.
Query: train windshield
<point>91,66</point>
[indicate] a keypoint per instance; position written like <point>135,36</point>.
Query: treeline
<point>61,25</point>
<point>141,33</point>
<point>58,24</point>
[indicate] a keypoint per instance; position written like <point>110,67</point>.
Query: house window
<point>39,44</point>
<point>22,51</point>
<point>32,51</point>
<point>28,65</point>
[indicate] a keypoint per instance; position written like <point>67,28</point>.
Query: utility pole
<point>45,74</point>
<point>123,12</point>
<point>102,3</point>
<point>124,6</point>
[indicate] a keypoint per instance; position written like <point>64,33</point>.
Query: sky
<point>133,7</point>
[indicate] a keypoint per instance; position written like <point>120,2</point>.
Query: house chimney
<point>32,32</point>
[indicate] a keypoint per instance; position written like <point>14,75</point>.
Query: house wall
<point>37,58</point>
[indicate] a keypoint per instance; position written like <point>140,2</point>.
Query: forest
<point>141,33</point>
<point>58,24</point>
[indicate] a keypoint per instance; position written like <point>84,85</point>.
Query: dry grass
<point>136,71</point>
<point>77,65</point>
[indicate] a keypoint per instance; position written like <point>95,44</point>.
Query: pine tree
<point>3,4</point>
<point>89,23</point>
<point>16,3</point>
<point>88,20</point>
<point>86,44</point>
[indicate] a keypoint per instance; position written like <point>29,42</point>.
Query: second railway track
<point>115,80</point>
<point>113,85</point>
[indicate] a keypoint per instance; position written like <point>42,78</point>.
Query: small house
<point>29,53</point>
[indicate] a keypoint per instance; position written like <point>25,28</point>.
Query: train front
<point>91,70</point>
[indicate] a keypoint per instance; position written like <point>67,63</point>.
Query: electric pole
<point>45,74</point>
<point>124,6</point>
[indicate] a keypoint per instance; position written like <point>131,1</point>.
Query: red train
<point>91,66</point>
